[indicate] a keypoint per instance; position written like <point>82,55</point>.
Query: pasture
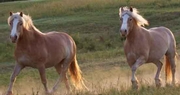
<point>94,25</point>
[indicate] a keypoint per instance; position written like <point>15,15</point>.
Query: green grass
<point>94,25</point>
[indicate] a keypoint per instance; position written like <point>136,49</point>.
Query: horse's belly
<point>53,61</point>
<point>50,64</point>
<point>156,55</point>
<point>30,61</point>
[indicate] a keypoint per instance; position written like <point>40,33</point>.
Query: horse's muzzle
<point>13,39</point>
<point>123,33</point>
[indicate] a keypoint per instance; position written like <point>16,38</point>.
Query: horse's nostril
<point>15,37</point>
<point>125,31</point>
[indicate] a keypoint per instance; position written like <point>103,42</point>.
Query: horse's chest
<point>131,56</point>
<point>130,51</point>
<point>23,59</point>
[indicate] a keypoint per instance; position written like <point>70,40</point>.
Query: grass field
<point>94,25</point>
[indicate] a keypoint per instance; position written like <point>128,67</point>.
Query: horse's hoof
<point>158,82</point>
<point>172,84</point>
<point>49,93</point>
<point>9,93</point>
<point>135,85</point>
<point>158,85</point>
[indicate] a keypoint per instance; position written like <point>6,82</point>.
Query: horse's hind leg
<point>62,76</point>
<point>16,71</point>
<point>173,69</point>
<point>58,69</point>
<point>157,79</point>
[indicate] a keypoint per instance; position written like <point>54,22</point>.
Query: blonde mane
<point>139,19</point>
<point>26,19</point>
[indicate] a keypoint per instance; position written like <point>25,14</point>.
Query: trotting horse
<point>147,45</point>
<point>43,50</point>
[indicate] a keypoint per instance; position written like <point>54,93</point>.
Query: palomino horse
<point>147,45</point>
<point>43,50</point>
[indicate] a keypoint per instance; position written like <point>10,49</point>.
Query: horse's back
<point>59,40</point>
<point>162,33</point>
<point>57,35</point>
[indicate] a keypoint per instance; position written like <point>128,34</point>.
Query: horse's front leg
<point>16,71</point>
<point>42,73</point>
<point>134,67</point>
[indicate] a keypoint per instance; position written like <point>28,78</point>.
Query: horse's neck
<point>29,36</point>
<point>138,34</point>
<point>135,33</point>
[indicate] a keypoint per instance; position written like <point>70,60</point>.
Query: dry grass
<point>108,77</point>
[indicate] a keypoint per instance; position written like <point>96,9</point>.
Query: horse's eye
<point>121,19</point>
<point>130,19</point>
<point>20,23</point>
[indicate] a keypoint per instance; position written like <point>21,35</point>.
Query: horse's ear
<point>122,9</point>
<point>119,10</point>
<point>131,9</point>
<point>21,14</point>
<point>10,13</point>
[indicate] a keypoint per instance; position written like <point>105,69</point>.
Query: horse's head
<point>15,22</point>
<point>129,18</point>
<point>126,20</point>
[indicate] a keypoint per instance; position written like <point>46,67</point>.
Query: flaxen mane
<point>140,20</point>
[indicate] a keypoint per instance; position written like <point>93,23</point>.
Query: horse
<point>43,50</point>
<point>147,46</point>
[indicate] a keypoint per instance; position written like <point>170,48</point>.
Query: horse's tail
<point>75,74</point>
<point>168,72</point>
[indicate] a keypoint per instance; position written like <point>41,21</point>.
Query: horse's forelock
<point>124,10</point>
<point>26,19</point>
<point>27,23</point>
<point>13,16</point>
